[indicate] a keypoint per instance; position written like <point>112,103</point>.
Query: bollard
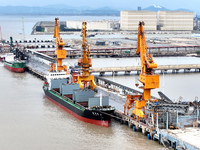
<point>133,128</point>
<point>148,136</point>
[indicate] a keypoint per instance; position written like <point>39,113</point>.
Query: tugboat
<point>76,94</point>
<point>13,64</point>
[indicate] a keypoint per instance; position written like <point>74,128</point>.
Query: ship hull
<point>86,115</point>
<point>15,67</point>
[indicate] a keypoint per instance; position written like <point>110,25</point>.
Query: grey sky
<point>122,4</point>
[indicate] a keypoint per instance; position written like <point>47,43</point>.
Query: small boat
<point>13,64</point>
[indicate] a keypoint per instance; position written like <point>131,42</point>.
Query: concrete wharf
<point>178,139</point>
<point>184,138</point>
<point>130,51</point>
<point>161,68</point>
<point>127,69</point>
<point>38,69</point>
<point>35,72</point>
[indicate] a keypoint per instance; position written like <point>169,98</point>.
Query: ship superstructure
<point>11,63</point>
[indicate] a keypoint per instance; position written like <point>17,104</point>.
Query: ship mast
<point>59,52</point>
<point>11,45</point>
<point>85,80</point>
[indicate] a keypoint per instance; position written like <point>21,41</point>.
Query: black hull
<point>91,116</point>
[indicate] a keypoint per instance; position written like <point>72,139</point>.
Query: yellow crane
<point>148,78</point>
<point>85,79</point>
<point>60,52</point>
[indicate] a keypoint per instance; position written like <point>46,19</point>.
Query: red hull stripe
<point>20,70</point>
<point>96,122</point>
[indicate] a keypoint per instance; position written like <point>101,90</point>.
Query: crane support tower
<point>60,52</point>
<point>85,79</point>
<point>11,45</point>
<point>148,78</point>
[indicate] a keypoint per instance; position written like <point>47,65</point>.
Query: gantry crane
<point>85,79</point>
<point>60,52</point>
<point>148,78</point>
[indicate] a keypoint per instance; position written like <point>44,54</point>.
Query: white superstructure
<point>9,57</point>
<point>57,75</point>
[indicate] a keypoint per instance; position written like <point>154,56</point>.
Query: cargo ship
<point>68,92</point>
<point>13,64</point>
<point>81,103</point>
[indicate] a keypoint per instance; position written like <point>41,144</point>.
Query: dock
<point>158,130</point>
<point>182,138</point>
<point>185,138</point>
<point>130,51</point>
<point>126,70</point>
<point>39,72</point>
<point>161,68</point>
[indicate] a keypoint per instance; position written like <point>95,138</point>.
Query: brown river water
<point>29,121</point>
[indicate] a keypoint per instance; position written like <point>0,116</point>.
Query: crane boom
<point>85,79</point>
<point>148,78</point>
<point>60,52</point>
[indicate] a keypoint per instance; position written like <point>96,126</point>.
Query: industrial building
<point>129,19</point>
<point>161,20</point>
<point>175,20</point>
<point>102,25</point>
